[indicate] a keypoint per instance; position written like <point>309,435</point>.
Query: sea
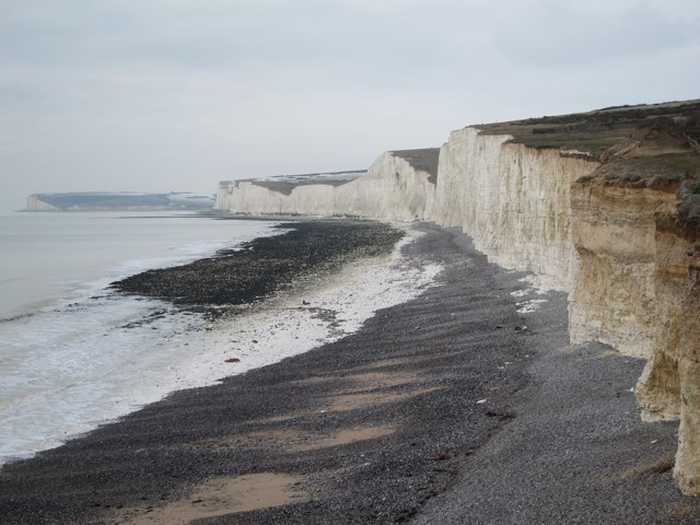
<point>75,354</point>
<point>72,353</point>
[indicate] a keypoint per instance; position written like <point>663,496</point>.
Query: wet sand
<point>451,408</point>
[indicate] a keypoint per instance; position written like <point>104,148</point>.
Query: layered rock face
<point>614,299</point>
<point>604,205</point>
<point>686,342</point>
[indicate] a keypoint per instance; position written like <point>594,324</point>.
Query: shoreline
<point>264,266</point>
<point>421,414</point>
<point>184,347</point>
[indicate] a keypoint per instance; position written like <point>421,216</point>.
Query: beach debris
<point>503,415</point>
<point>481,401</point>
<point>232,360</point>
<point>527,307</point>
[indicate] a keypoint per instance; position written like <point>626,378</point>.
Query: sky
<point>175,95</point>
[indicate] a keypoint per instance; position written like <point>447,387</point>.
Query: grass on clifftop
<point>596,131</point>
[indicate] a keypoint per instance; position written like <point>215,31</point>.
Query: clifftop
<point>653,146</point>
<point>425,159</point>
<point>422,159</point>
<point>286,183</point>
<point>668,127</point>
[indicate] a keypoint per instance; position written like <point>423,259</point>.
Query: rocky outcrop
<point>604,205</point>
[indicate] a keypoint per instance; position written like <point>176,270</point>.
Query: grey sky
<point>162,95</point>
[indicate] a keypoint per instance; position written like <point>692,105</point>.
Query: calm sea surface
<point>72,353</point>
<point>49,256</point>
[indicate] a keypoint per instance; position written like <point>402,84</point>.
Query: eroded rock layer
<point>604,205</point>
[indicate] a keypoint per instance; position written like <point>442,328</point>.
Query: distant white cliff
<point>116,201</point>
<point>396,187</point>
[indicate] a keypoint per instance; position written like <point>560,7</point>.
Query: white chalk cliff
<point>393,189</point>
<point>585,210</point>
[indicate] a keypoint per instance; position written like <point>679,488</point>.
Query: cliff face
<point>396,187</point>
<point>604,205</point>
<point>685,341</point>
<point>512,200</point>
<point>613,298</point>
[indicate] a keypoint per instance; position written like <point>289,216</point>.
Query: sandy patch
<point>262,439</point>
<point>367,391</point>
<point>398,361</point>
<point>296,440</point>
<point>371,380</point>
<point>368,378</point>
<point>218,497</point>
<point>277,419</point>
<point>314,380</point>
<point>346,437</point>
<point>351,401</point>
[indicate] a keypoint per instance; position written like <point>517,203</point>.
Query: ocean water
<point>72,353</point>
<point>51,256</point>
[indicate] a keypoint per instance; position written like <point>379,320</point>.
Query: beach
<point>462,403</point>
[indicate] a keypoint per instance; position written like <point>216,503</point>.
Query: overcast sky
<point>160,95</point>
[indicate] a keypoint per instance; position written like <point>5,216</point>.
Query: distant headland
<point>118,201</point>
